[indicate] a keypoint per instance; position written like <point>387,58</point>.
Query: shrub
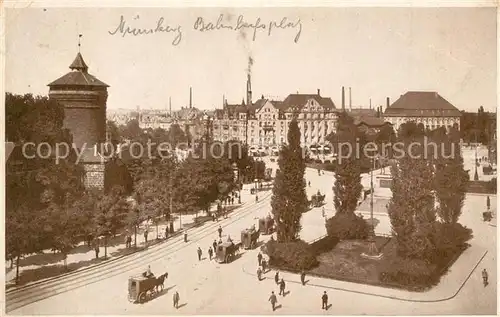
<point>449,239</point>
<point>347,226</point>
<point>414,273</point>
<point>323,245</point>
<point>294,256</point>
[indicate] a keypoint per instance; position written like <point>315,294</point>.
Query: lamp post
<point>476,176</point>
<point>372,246</point>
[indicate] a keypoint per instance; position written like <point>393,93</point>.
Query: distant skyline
<point>379,52</point>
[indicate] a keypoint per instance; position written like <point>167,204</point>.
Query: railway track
<point>26,295</point>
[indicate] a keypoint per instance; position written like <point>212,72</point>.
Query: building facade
<point>264,123</point>
<point>428,108</point>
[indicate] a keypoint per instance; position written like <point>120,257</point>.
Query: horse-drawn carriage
<point>317,199</point>
<point>226,252</point>
<point>142,288</point>
<point>249,238</point>
<point>266,225</point>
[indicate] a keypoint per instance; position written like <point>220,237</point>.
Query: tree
<point>411,208</point>
<point>113,133</point>
<point>176,135</point>
<point>385,139</point>
<point>289,198</point>
<point>131,130</point>
<point>347,187</point>
<point>451,179</point>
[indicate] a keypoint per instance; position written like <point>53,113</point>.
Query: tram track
<point>18,298</point>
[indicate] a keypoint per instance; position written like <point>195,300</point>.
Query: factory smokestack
<point>370,103</point>
<point>190,97</point>
<point>170,105</point>
<point>350,99</point>
<point>249,90</point>
<point>343,98</point>
<point>387,103</point>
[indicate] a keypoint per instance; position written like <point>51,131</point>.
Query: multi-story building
<point>425,107</point>
<point>264,123</point>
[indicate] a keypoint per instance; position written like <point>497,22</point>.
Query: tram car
<point>226,252</point>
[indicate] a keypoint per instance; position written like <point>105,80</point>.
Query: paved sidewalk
<point>37,267</point>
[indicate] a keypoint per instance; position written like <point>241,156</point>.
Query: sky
<point>379,52</point>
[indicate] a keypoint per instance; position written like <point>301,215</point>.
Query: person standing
<point>199,253</point>
<point>259,273</point>
<point>277,277</point>
<point>176,299</point>
<point>264,265</point>
<point>282,287</point>
<point>485,277</point>
<point>210,253</point>
<point>220,232</point>
<point>185,236</point>
<point>273,300</point>
<point>215,245</point>
<point>146,237</point>
<point>166,232</point>
<point>324,301</point>
<point>259,258</point>
<point>303,277</point>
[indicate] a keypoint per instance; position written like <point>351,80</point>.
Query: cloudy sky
<point>378,52</point>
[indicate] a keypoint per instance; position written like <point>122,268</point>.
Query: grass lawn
<point>344,262</point>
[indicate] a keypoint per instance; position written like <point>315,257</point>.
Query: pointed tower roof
<point>79,64</point>
<point>79,75</point>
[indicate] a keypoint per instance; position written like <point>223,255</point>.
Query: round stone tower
<point>84,99</point>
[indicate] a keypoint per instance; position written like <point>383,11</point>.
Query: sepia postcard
<point>249,159</point>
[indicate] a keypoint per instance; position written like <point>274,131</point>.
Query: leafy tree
<point>131,130</point>
<point>347,187</point>
<point>289,198</point>
<point>451,179</point>
<point>411,209</point>
<point>176,135</point>
<point>113,133</point>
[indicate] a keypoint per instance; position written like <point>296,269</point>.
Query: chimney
<point>249,90</point>
<point>190,97</point>
<point>343,98</point>
<point>350,99</point>
<point>170,105</point>
<point>370,103</point>
<point>319,92</point>
<point>387,103</point>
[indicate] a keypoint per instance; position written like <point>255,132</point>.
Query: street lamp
<point>372,246</point>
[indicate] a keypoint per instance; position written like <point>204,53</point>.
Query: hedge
<point>294,256</point>
<point>325,244</point>
<point>345,226</point>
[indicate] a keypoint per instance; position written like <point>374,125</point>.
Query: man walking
<point>199,254</point>
<point>277,277</point>
<point>259,258</point>
<point>282,287</point>
<point>485,277</point>
<point>324,300</point>
<point>303,277</point>
<point>220,232</point>
<point>259,273</point>
<point>146,237</point>
<point>210,253</point>
<point>176,299</point>
<point>273,300</point>
<point>215,245</point>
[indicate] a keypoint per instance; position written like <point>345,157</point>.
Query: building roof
<point>422,103</point>
<point>362,112</point>
<point>300,100</point>
<point>79,76</point>
<point>370,121</point>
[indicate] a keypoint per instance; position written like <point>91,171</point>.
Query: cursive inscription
<point>124,29</point>
<point>203,26</point>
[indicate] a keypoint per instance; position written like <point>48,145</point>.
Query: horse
<point>159,281</point>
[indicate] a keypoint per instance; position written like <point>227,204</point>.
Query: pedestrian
<point>185,236</point>
<point>220,232</point>
<point>96,248</point>
<point>264,265</point>
<point>220,240</point>
<point>215,245</point>
<point>256,198</point>
<point>282,287</point>
<point>176,299</point>
<point>323,212</point>
<point>303,277</point>
<point>324,301</point>
<point>309,183</point>
<point>273,300</point>
<point>277,277</point>
<point>485,277</point>
<point>210,253</point>
<point>259,273</point>
<point>213,216</point>
<point>259,258</point>
<point>146,237</point>
<point>166,232</point>
<point>199,254</point>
